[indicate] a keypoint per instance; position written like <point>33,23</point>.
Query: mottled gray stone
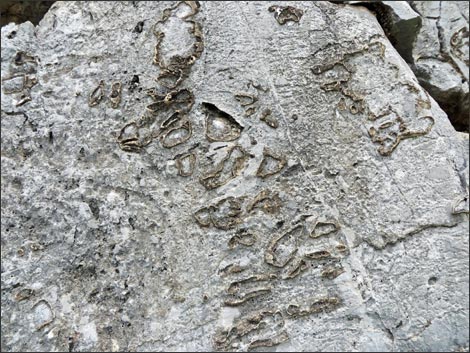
<point>108,246</point>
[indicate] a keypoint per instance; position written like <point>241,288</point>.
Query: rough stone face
<point>399,21</point>
<point>441,57</point>
<point>229,176</point>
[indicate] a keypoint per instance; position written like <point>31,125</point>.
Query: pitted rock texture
<point>215,175</point>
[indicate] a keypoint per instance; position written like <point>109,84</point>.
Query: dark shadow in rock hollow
<point>22,11</point>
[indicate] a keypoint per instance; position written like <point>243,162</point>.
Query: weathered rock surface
<point>234,176</point>
<point>432,37</point>
<point>399,21</point>
<point>441,57</point>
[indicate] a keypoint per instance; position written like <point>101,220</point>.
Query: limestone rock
<point>216,175</point>
<point>399,21</point>
<point>432,36</point>
<point>441,56</point>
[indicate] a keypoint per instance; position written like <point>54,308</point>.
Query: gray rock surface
<point>441,57</point>
<point>296,190</point>
<point>399,21</point>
